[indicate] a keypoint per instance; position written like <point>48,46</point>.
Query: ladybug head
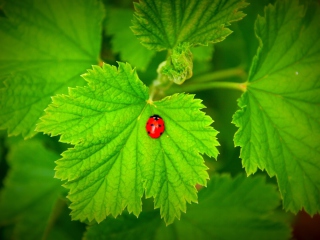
<point>156,117</point>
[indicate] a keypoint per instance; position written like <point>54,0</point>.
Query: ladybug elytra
<point>155,126</point>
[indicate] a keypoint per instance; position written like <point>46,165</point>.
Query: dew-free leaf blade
<point>30,192</point>
<point>245,205</point>
<point>163,25</point>
<point>279,127</point>
<point>114,160</point>
<point>45,46</point>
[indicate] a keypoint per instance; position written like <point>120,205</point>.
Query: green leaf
<point>30,191</point>
<point>279,127</point>
<point>115,161</point>
<point>161,25</point>
<point>124,41</point>
<point>126,227</point>
<point>245,205</point>
<point>64,228</point>
<point>179,65</point>
<point>45,46</point>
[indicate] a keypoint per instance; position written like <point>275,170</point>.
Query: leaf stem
<point>210,85</point>
<point>214,76</point>
<point>160,86</point>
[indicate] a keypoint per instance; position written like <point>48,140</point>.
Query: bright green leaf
<point>240,208</point>
<point>279,120</point>
<point>45,46</point>
<point>124,41</point>
<point>30,191</point>
<point>164,24</point>
<point>115,161</point>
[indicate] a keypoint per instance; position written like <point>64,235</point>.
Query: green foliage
<point>161,25</point>
<point>41,55</point>
<point>202,53</point>
<point>179,66</point>
<point>124,41</point>
<point>30,191</point>
<point>115,161</point>
<point>279,120</point>
<point>112,166</point>
<point>179,25</point>
<point>249,217</point>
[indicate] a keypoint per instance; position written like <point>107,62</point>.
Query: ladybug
<point>155,126</point>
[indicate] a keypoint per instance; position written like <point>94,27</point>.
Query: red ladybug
<point>155,126</point>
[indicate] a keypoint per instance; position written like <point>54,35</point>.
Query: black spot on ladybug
<point>159,125</point>
<point>151,125</point>
<point>148,132</point>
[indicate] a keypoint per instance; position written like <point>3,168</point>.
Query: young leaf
<point>115,161</point>
<point>124,41</point>
<point>161,25</point>
<point>30,191</point>
<point>179,66</point>
<point>244,205</point>
<point>45,46</point>
<point>279,127</point>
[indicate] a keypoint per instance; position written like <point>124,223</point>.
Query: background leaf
<point>279,127</point>
<point>244,205</point>
<point>45,46</point>
<point>115,161</point>
<point>124,41</point>
<point>163,25</point>
<point>202,53</point>
<point>30,192</point>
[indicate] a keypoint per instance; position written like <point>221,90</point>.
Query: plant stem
<point>57,209</point>
<point>161,88</point>
<point>214,76</point>
<point>205,86</point>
